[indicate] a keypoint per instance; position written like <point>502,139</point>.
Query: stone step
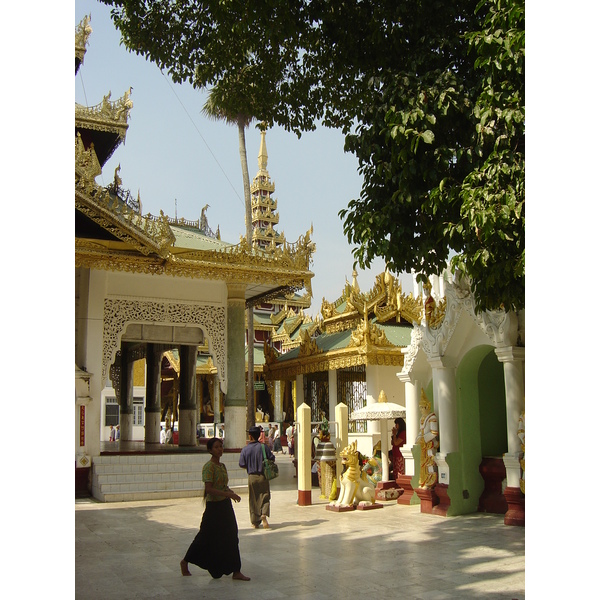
<point>125,477</point>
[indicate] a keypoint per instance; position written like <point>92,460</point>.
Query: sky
<point>179,160</point>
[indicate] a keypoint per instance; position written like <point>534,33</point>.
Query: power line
<point>202,137</point>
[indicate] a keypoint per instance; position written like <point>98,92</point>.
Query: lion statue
<point>355,487</point>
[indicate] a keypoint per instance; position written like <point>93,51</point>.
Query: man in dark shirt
<point>259,492</point>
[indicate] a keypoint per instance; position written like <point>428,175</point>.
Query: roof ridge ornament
<point>82,34</point>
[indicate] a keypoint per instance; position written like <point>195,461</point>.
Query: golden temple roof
<point>358,328</point>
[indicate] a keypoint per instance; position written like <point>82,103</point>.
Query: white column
<point>341,440</point>
<point>303,455</point>
<point>372,380</point>
<point>277,401</point>
<point>444,394</point>
<point>512,358</point>
<point>411,397</point>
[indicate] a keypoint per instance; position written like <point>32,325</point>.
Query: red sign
<point>82,425</point>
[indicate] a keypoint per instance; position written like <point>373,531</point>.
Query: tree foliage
<point>430,95</point>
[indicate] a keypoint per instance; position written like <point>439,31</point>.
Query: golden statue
<point>428,440</point>
<point>355,487</point>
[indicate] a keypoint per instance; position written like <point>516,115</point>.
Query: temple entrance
<point>170,399</point>
<point>481,415</point>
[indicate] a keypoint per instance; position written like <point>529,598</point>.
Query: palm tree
<point>214,108</point>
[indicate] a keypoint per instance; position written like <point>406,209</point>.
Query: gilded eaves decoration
<point>107,210</point>
<point>109,115</point>
<point>385,300</point>
<point>367,334</point>
<point>338,359</point>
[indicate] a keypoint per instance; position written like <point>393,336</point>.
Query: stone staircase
<point>125,477</point>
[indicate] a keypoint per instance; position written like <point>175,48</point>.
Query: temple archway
<point>482,432</point>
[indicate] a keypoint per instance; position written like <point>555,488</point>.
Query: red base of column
<point>515,515</point>
<point>428,499</point>
<point>304,498</point>
<point>388,490</point>
<point>404,481</point>
<point>492,500</point>
<point>441,510</point>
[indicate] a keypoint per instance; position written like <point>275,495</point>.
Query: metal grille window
<point>111,416</point>
<point>352,391</point>
<point>316,395</point>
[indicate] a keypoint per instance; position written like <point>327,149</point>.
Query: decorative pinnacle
<point>262,152</point>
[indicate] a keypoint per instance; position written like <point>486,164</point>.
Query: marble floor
<point>132,550</point>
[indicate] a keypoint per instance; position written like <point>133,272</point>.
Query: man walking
<point>259,491</point>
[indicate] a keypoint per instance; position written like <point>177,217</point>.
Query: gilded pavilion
<point>149,287</point>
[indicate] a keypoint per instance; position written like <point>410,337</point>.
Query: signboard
<point>259,385</point>
<point>82,425</point>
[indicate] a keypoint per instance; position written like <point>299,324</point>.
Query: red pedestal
<point>368,506</point>
<point>304,498</point>
<point>515,515</point>
<point>492,500</point>
<point>334,508</point>
<point>441,509</point>
<point>388,490</point>
<point>404,481</point>
<point>428,499</point>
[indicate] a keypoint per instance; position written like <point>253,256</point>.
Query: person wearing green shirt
<point>216,546</point>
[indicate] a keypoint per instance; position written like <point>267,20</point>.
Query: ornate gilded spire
<point>263,157</point>
<point>264,207</point>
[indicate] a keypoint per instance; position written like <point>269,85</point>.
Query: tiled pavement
<point>131,550</point>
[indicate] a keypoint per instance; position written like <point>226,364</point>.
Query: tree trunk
<point>250,411</point>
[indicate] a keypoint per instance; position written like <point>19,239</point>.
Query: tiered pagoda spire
<point>264,207</point>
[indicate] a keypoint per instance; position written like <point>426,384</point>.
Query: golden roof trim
<point>108,115</point>
<point>332,360</point>
<point>144,234</point>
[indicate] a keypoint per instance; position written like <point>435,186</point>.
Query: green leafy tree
<point>441,149</point>
<point>429,93</point>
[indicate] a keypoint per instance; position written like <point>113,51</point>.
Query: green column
<point>235,400</point>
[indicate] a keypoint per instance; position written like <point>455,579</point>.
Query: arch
<point>120,312</point>
<point>481,417</point>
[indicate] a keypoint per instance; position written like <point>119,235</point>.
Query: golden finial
<point>262,153</point>
<point>382,397</point>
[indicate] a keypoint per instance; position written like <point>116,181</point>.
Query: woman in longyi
<point>216,546</point>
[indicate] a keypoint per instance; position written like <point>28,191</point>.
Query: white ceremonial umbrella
<point>382,410</point>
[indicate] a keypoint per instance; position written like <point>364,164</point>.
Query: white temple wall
<point>165,286</point>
